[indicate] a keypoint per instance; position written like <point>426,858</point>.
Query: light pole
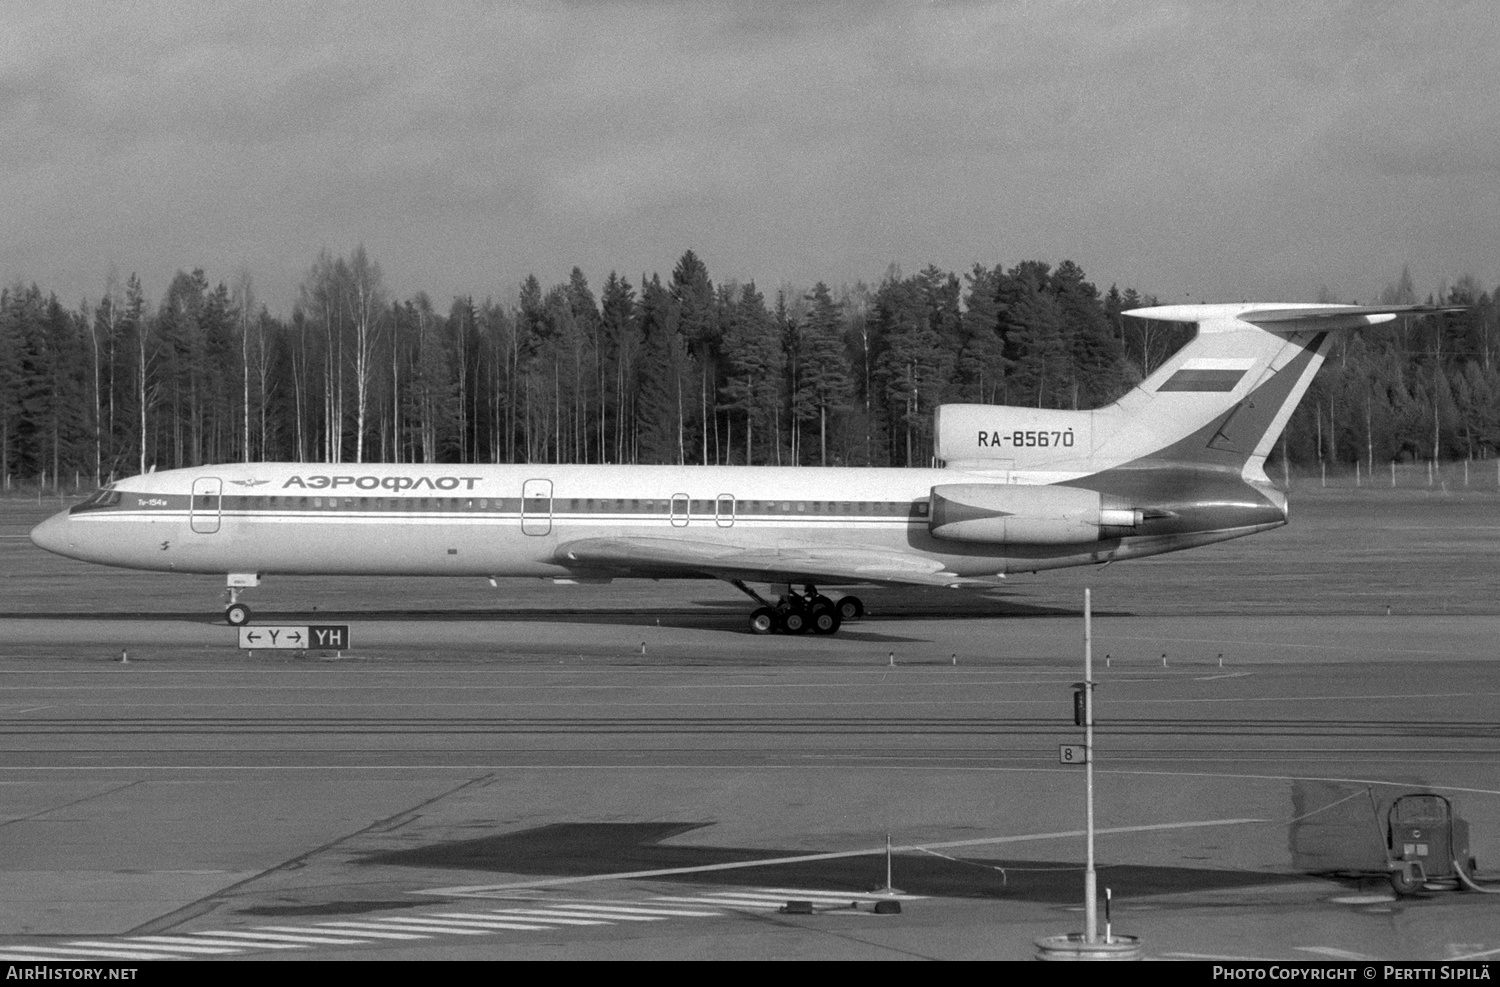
<point>1090,879</point>
<point>1087,945</point>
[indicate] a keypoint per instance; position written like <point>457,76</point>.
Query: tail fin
<point>1219,402</point>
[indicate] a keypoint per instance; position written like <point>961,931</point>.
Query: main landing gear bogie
<point>797,613</point>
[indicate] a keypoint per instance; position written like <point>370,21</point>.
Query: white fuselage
<point>476,520</point>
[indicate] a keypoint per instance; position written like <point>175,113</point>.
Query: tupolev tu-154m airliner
<point>1176,463</point>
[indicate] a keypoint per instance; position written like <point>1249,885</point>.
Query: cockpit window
<point>102,498</point>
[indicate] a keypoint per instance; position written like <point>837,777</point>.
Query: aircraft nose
<point>53,534</point>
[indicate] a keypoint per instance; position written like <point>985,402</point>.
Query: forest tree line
<point>676,371</point>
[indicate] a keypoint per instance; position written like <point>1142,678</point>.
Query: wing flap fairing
<point>833,564</point>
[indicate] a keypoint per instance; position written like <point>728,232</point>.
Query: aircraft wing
<point>836,564</point>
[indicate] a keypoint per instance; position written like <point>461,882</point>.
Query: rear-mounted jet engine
<point>995,514</point>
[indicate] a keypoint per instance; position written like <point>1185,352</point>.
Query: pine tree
<point>659,411</point>
<point>1034,333</point>
<point>981,365</point>
<point>698,323</point>
<point>754,363</point>
<point>911,365</point>
<point>824,385</point>
<point>590,378</point>
<point>621,343</point>
<point>1095,357</point>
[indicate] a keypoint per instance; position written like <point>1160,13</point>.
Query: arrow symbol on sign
<point>294,637</point>
<point>252,637</point>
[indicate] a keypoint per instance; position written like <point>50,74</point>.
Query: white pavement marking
<point>380,929</point>
<point>1218,956</point>
<point>862,895</point>
<point>770,900</point>
<point>55,958</point>
<point>206,938</point>
<point>1476,956</point>
<point>203,949</point>
<point>276,933</point>
<point>546,918</point>
<point>402,926</point>
<point>564,915</point>
<point>113,953</point>
<point>780,896</point>
<point>491,921</point>
<point>1333,953</point>
<point>608,909</point>
<point>730,902</point>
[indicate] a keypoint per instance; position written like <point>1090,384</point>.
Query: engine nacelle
<point>1001,513</point>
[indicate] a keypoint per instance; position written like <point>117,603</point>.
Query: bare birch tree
<point>366,302</point>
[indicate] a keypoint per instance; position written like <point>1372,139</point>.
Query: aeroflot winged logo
<point>318,482</point>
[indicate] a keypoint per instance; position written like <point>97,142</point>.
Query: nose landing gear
<point>238,614</point>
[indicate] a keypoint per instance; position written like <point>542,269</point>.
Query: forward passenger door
<point>204,507</point>
<point>536,507</point>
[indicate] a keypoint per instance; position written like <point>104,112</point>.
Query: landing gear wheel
<point>794,622</point>
<point>237,614</point>
<point>1405,882</point>
<point>762,620</point>
<point>825,620</point>
<point>849,608</point>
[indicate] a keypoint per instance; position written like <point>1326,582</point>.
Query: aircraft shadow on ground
<point>709,615</point>
<point>579,849</point>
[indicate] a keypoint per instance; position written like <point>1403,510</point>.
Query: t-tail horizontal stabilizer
<point>1236,384</point>
<point>1218,403</point>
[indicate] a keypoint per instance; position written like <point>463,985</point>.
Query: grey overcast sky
<point>1245,150</point>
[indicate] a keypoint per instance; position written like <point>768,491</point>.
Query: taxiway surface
<point>212,798</point>
<point>476,779</point>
